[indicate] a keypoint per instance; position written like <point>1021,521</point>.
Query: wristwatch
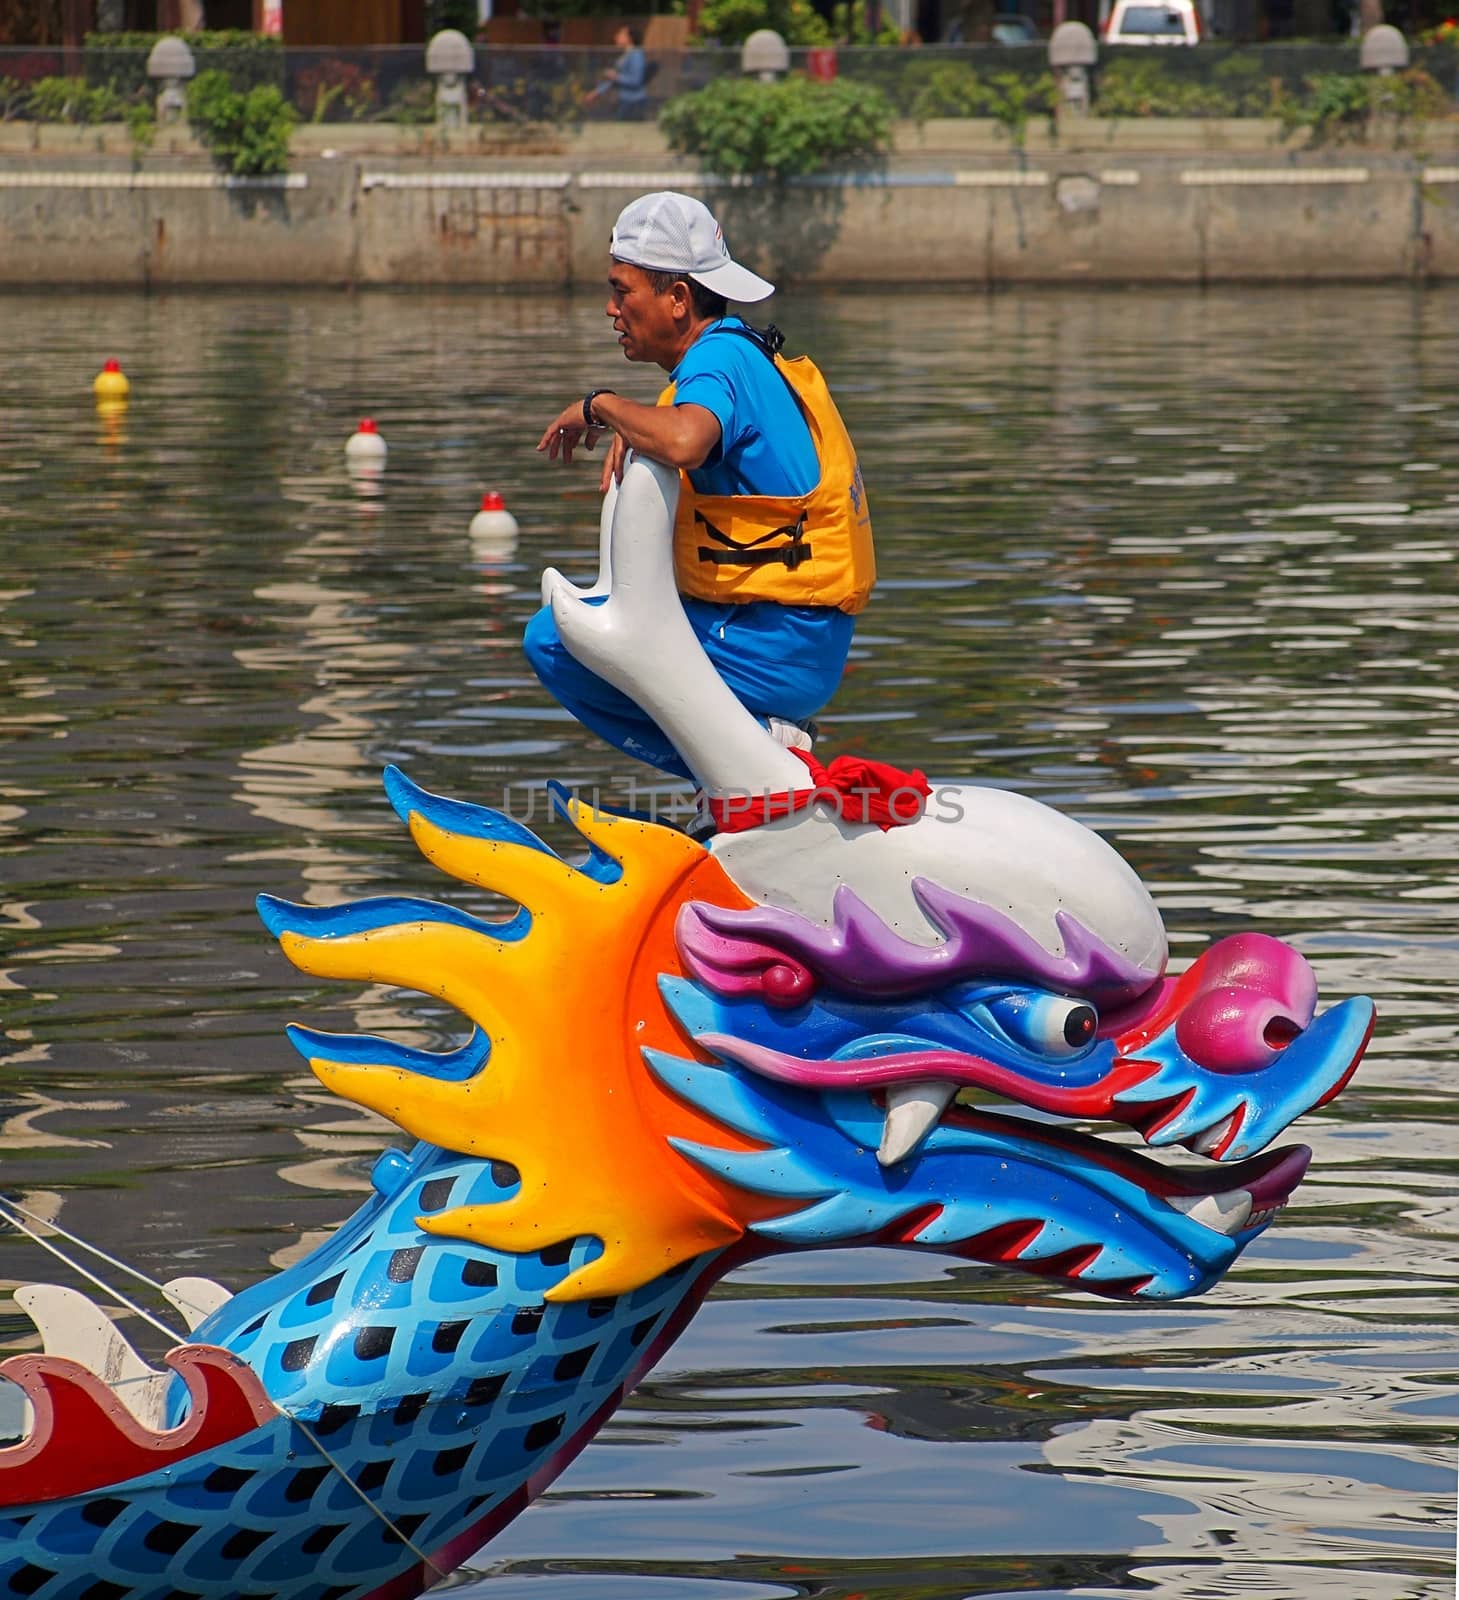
<point>589,420</point>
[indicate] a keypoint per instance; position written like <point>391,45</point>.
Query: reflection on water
<point>1184,565</point>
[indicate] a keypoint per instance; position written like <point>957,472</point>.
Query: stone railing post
<point>1383,53</point>
<point>451,60</point>
<point>1384,50</point>
<point>1072,55</point>
<point>765,55</point>
<point>171,63</point>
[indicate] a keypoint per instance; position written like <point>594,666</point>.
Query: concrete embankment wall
<point>1117,203</point>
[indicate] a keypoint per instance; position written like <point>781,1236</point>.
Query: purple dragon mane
<point>782,955</point>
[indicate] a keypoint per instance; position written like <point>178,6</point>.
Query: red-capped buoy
<point>365,445</point>
<point>493,523</point>
<point>111,382</point>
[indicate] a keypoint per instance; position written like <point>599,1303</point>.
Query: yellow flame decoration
<point>564,1096</point>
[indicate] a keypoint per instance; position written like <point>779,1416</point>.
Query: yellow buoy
<point>111,383</point>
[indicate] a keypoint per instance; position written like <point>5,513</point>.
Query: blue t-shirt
<point>765,446</point>
<point>630,74</point>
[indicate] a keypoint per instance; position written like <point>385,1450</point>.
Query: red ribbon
<point>859,791</point>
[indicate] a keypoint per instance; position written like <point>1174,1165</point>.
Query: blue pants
<point>782,661</point>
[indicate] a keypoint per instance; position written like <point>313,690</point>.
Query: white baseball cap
<point>670,232</point>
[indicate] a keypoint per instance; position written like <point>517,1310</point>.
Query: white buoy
<point>365,447</point>
<point>494,524</point>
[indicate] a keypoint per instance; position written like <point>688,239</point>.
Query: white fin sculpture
<point>640,641</point>
<point>196,1299</point>
<point>75,1327</point>
<point>604,580</point>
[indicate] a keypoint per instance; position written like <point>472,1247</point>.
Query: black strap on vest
<point>769,341</point>
<point>769,338</point>
<point>734,554</point>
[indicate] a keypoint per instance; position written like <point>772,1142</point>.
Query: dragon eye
<point>1050,1025</point>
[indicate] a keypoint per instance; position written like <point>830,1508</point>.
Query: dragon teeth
<point>912,1113</point>
<point>1225,1213</point>
<point>1206,1141</point>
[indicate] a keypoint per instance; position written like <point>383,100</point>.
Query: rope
<point>96,1250</point>
<point>383,1515</point>
<point>8,1210</point>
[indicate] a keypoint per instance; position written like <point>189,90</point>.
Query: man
<point>628,76</point>
<point>772,542</point>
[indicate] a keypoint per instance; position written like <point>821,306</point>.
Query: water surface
<point>1183,565</point>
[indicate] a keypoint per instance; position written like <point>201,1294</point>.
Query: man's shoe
<point>701,827</point>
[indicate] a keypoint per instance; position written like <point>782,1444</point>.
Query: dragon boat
<point>676,1056</point>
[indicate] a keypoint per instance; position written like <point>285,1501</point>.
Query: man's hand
<point>678,435</point>
<point>567,432</point>
<point>613,466</point>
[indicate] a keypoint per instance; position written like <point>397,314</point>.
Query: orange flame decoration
<point>72,1404</point>
<point>564,1096</point>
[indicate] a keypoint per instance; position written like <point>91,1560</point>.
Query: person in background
<point>772,547</point>
<point>628,77</point>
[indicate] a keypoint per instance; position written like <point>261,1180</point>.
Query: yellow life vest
<point>800,550</point>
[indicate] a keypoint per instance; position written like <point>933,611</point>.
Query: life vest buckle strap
<point>790,555</point>
<point>750,554</point>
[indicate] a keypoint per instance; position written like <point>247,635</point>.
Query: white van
<point>1153,22</point>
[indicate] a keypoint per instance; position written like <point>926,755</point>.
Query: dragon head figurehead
<point>772,1040</point>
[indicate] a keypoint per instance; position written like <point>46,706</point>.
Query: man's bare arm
<point>678,436</point>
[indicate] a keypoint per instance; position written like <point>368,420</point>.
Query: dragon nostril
<point>1234,1029</point>
<point>1279,1033</point>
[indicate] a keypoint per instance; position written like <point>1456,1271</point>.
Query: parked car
<point>1153,22</point>
<point>1011,28</point>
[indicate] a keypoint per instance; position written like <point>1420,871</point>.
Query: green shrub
<point>848,24</point>
<point>141,129</point>
<point>412,104</point>
<point>239,39</point>
<point>1420,95</point>
<point>1335,107</point>
<point>786,129</point>
<point>952,89</point>
<point>956,90</point>
<point>119,60</point>
<point>1010,98</point>
<point>1243,81</point>
<point>14,96</point>
<point>1340,107</point>
<point>1143,86</point>
<point>246,134</point>
<point>73,100</point>
<point>1013,101</point>
<point>731,22</point>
